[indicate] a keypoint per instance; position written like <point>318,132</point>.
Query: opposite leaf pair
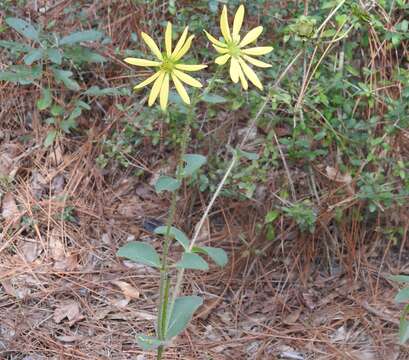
<point>231,48</point>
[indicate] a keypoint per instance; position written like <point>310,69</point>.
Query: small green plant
<point>50,58</point>
<point>303,214</point>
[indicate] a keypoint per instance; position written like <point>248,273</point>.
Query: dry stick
<point>181,272</point>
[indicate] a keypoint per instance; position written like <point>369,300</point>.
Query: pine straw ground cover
<point>320,294</point>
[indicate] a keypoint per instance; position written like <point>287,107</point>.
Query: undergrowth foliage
<point>326,149</point>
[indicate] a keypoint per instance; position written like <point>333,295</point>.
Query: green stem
<point>164,269</point>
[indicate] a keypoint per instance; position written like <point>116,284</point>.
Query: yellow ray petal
<point>221,50</point>
<point>224,24</point>
<point>168,39</point>
<point>256,51</point>
<point>251,75</point>
<point>181,89</point>
<point>151,44</point>
<point>147,81</point>
<point>164,92</point>
<point>243,80</point>
<point>186,78</point>
<point>234,70</point>
<point>251,36</point>
<point>221,60</point>
<point>181,41</point>
<point>238,21</point>
<point>185,48</point>
<point>156,88</point>
<point>141,62</point>
<point>214,41</point>
<point>256,62</point>
<point>188,67</point>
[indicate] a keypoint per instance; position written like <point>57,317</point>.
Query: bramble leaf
<point>14,46</point>
<point>65,77</point>
<point>54,55</point>
<point>80,36</point>
<point>33,56</point>
<point>21,74</point>
<point>247,155</point>
<point>23,27</point>
<point>214,99</point>
<point>49,139</point>
<point>97,91</point>
<point>45,101</point>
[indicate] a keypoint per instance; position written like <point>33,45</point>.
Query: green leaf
<point>183,310</point>
<point>193,163</point>
<point>80,54</point>
<point>192,261</point>
<point>49,139</point>
<point>172,7</point>
<point>248,155</point>
<point>69,123</point>
<point>141,252</point>
<point>214,99</point>
<point>45,101</point>
<point>399,278</point>
<point>404,326</point>
<point>329,4</point>
<point>56,110</point>
<point>97,91</point>
<point>396,39</point>
<point>65,77</point>
<point>218,255</point>
<point>54,55</point>
<point>15,46</point>
<point>175,233</point>
<point>23,27</point>
<point>167,183</point>
<point>403,331</point>
<point>402,295</point>
<point>271,216</point>
<point>148,342</point>
<point>21,74</point>
<point>80,36</point>
<point>83,105</point>
<point>33,56</point>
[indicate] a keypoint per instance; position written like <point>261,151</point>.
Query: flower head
<point>233,49</point>
<point>168,68</point>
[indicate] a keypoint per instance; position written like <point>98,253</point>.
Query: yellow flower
<point>232,48</point>
<point>169,68</point>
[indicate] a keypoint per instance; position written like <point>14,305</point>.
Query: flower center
<point>234,49</point>
<point>168,64</point>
